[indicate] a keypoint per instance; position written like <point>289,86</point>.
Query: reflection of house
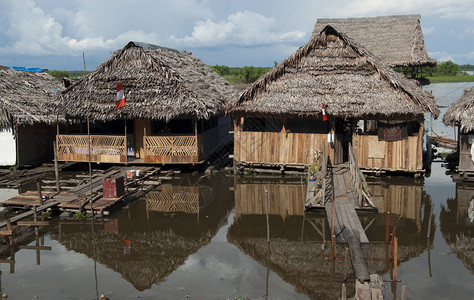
<point>278,120</point>
<point>401,196</point>
<point>461,114</point>
<point>457,225</point>
<point>284,199</point>
<point>173,112</point>
<point>160,242</point>
<point>27,127</point>
<point>397,40</point>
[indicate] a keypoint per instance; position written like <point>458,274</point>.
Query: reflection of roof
<point>154,254</point>
<point>397,40</point>
<point>299,260</point>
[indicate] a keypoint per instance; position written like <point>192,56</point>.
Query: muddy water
<point>207,239</point>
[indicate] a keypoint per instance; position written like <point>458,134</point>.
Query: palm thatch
<point>397,40</point>
<point>462,112</point>
<point>334,70</point>
<point>25,97</point>
<point>158,82</point>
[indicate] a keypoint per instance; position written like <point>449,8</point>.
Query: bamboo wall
<point>403,155</point>
<point>173,149</point>
<point>278,147</point>
<point>465,159</point>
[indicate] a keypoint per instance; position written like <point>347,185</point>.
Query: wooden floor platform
<point>77,198</point>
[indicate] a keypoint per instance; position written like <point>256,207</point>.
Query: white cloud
<point>449,9</point>
<point>428,31</point>
<point>242,28</point>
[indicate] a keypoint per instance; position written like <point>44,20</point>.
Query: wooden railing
<point>173,149</point>
<point>104,148</point>
<point>358,180</point>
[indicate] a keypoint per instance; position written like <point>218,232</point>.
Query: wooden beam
<point>36,247</point>
<point>6,232</point>
<point>32,223</point>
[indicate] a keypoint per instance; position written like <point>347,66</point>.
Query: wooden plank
<point>6,232</point>
<point>32,223</point>
<point>36,247</point>
<point>29,213</point>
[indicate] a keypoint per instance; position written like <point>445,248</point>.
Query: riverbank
<point>450,79</point>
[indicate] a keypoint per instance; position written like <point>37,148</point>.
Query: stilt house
<point>461,114</point>
<point>173,111</point>
<point>28,129</point>
<point>278,121</point>
<point>397,40</point>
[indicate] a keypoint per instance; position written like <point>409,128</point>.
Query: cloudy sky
<point>53,34</point>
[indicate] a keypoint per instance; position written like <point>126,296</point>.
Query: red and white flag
<point>120,96</point>
<point>324,113</point>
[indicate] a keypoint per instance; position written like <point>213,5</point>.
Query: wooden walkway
<point>78,198</point>
<point>340,190</point>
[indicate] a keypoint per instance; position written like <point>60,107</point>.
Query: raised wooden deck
<point>77,199</point>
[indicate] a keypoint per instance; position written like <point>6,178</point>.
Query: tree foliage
<point>247,74</point>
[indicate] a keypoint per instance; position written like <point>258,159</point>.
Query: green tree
<point>58,74</point>
<point>447,68</point>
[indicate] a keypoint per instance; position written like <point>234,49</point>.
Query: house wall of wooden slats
<point>278,147</point>
<point>404,155</point>
<point>465,159</point>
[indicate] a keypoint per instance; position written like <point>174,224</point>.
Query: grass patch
<point>447,79</point>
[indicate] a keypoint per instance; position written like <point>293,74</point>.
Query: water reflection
<point>298,250</point>
<point>456,224</point>
<point>148,240</point>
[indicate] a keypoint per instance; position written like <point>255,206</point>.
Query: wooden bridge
<point>340,190</point>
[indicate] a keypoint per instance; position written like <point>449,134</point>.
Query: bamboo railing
<point>358,180</point>
<point>174,149</point>
<point>104,148</point>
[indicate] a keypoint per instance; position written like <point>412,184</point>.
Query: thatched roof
<point>25,97</point>
<point>397,40</point>
<point>334,70</point>
<point>158,82</point>
<point>462,112</point>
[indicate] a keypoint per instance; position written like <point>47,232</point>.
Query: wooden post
<point>17,145</point>
<point>56,166</point>
<point>346,256</point>
<point>40,196</point>
<point>9,227</point>
<point>343,296</point>
<point>266,208</point>
<point>126,146</point>
<point>392,242</point>
<point>395,260</point>
<point>404,292</point>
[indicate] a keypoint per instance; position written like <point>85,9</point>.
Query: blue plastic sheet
<point>24,69</point>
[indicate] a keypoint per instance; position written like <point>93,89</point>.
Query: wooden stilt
<point>56,166</point>
<point>40,196</point>
<point>387,228</point>
<point>10,237</point>
<point>395,260</point>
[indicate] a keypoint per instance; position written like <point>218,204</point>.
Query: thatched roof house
<point>397,40</point>
<point>334,70</point>
<point>462,112</point>
<point>25,117</point>
<point>25,97</point>
<point>158,82</point>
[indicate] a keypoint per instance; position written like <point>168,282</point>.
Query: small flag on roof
<point>325,118</point>
<point>120,96</point>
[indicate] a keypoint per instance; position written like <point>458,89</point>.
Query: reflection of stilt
<point>268,242</point>
<point>37,247</point>
<point>428,235</point>
<point>95,261</point>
